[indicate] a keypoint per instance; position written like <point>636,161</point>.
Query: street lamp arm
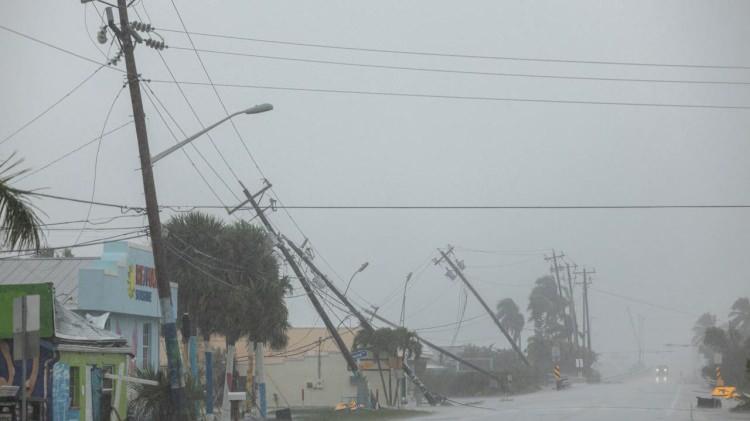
<point>252,110</point>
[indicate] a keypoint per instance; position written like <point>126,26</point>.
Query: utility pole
<point>586,315</point>
<point>251,199</point>
<point>572,301</point>
<point>479,298</point>
<point>556,270</point>
<point>403,302</point>
<point>168,322</point>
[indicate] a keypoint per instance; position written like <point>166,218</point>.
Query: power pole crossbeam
<point>168,319</point>
<point>479,298</point>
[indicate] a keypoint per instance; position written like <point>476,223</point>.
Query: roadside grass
<point>324,414</point>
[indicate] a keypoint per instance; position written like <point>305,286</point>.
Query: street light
<point>361,268</point>
<point>252,110</point>
<point>403,302</point>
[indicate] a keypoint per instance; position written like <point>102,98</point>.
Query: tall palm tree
<point>511,318</point>
<point>739,317</point>
<point>705,321</point>
<point>377,342</point>
<point>190,239</point>
<point>18,219</point>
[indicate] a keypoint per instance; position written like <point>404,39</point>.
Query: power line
<point>103,240</point>
<point>67,154</point>
<point>53,105</point>
<point>466,72</point>
<point>465,97</point>
<point>461,55</point>
<point>637,300</point>
<point>203,66</point>
<point>187,208</point>
<point>96,157</point>
<point>174,137</point>
<point>63,50</point>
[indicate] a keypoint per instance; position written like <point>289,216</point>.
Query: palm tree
<point>18,219</point>
<point>546,308</point>
<point>192,240</point>
<point>739,317</point>
<point>511,318</point>
<point>256,307</point>
<point>377,342</point>
<point>705,321</point>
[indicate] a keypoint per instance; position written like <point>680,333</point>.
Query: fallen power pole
<point>432,398</point>
<point>479,298</point>
<point>440,349</point>
<point>251,199</point>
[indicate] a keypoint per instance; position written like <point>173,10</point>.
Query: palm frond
<point>18,217</point>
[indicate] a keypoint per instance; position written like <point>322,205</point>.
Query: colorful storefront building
<point>67,376</point>
<point>116,292</point>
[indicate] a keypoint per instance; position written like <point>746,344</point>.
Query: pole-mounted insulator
<point>157,45</point>
<point>142,27</point>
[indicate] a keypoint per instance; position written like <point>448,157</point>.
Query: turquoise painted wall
<point>107,286</point>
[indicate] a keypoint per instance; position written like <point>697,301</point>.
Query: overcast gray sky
<point>322,148</point>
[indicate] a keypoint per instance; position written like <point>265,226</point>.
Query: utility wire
<point>639,301</point>
<point>466,72</point>
<point>188,208</point>
<point>67,154</point>
<point>465,97</point>
<point>63,50</point>
<point>461,55</point>
<point>210,81</point>
<point>51,106</point>
<point>176,140</point>
<point>96,158</point>
<point>104,240</point>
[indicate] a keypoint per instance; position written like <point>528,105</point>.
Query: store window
<point>146,347</point>
<point>75,376</point>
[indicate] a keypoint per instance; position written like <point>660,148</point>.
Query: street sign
<point>26,327</point>
<point>359,354</point>
<point>579,362</point>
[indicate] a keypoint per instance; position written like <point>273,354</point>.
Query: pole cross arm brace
<point>121,32</point>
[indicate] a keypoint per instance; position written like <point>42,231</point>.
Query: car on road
<point>662,374</point>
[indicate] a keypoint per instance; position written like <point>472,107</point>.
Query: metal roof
<point>73,328</point>
<point>61,272</point>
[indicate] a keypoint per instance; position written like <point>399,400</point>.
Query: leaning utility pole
<point>432,398</point>
<point>556,269</point>
<point>479,298</point>
<point>251,199</point>
<point>572,299</point>
<point>586,316</point>
<point>168,322</point>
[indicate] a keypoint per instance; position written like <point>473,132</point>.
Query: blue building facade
<point>119,290</point>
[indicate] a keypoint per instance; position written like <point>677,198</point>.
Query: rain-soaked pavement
<point>640,399</point>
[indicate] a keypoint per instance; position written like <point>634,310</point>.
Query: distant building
<point>116,291</point>
<point>310,371</point>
